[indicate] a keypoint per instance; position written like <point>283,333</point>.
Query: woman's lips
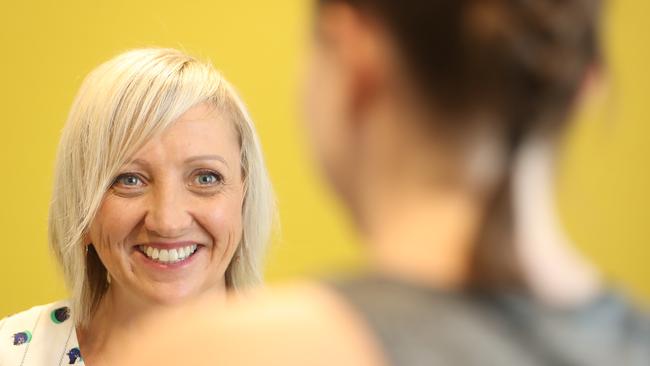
<point>168,254</point>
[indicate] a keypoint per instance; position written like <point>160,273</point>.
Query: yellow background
<point>47,47</point>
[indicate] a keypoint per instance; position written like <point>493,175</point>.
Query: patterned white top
<point>42,335</point>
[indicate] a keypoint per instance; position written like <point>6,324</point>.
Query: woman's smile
<point>168,255</point>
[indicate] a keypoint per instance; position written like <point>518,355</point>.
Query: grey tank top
<point>422,326</point>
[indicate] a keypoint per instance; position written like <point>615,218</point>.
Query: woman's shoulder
<point>59,312</point>
<point>37,334</point>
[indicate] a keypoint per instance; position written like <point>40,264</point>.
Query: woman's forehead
<point>201,133</point>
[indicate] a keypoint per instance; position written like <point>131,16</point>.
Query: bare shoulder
<point>299,324</point>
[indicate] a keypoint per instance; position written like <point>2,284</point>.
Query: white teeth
<point>173,255</point>
<point>164,255</point>
<point>168,255</point>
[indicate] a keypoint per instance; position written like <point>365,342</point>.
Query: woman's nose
<point>168,214</point>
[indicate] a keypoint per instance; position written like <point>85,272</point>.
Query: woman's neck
<point>119,311</point>
<point>114,313</point>
<point>424,237</point>
<point>424,230</point>
<point>418,222</point>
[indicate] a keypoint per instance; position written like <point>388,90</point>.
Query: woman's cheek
<point>116,219</point>
<point>223,221</point>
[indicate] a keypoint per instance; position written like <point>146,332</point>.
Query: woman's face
<point>171,222</point>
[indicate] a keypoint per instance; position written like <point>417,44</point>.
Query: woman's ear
<point>87,240</point>
<point>594,86</point>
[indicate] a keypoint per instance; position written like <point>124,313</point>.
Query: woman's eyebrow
<point>145,164</point>
<point>206,157</point>
<point>142,163</point>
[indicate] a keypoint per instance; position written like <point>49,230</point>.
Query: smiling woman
<point>160,195</point>
<point>172,219</point>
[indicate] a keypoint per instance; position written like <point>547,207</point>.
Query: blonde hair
<point>120,106</point>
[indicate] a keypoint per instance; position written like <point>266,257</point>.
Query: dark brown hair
<point>521,60</point>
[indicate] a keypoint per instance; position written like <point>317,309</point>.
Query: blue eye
<point>207,178</point>
<point>128,180</point>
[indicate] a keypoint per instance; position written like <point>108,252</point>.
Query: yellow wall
<point>605,191</point>
<point>48,47</point>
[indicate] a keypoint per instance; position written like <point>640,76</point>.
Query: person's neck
<point>423,236</point>
<point>115,312</point>
<point>424,231</point>
<point>418,224</point>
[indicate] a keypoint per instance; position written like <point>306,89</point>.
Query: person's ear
<point>86,240</point>
<point>593,87</point>
<point>358,44</point>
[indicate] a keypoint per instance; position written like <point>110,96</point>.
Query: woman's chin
<point>172,294</point>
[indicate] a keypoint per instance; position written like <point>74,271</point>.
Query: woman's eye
<point>207,179</point>
<point>128,180</point>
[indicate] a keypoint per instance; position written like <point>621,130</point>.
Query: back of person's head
<point>517,64</point>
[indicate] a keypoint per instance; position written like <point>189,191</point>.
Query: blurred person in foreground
<point>160,195</point>
<point>438,124</point>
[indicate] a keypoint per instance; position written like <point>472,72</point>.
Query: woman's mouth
<point>168,256</point>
